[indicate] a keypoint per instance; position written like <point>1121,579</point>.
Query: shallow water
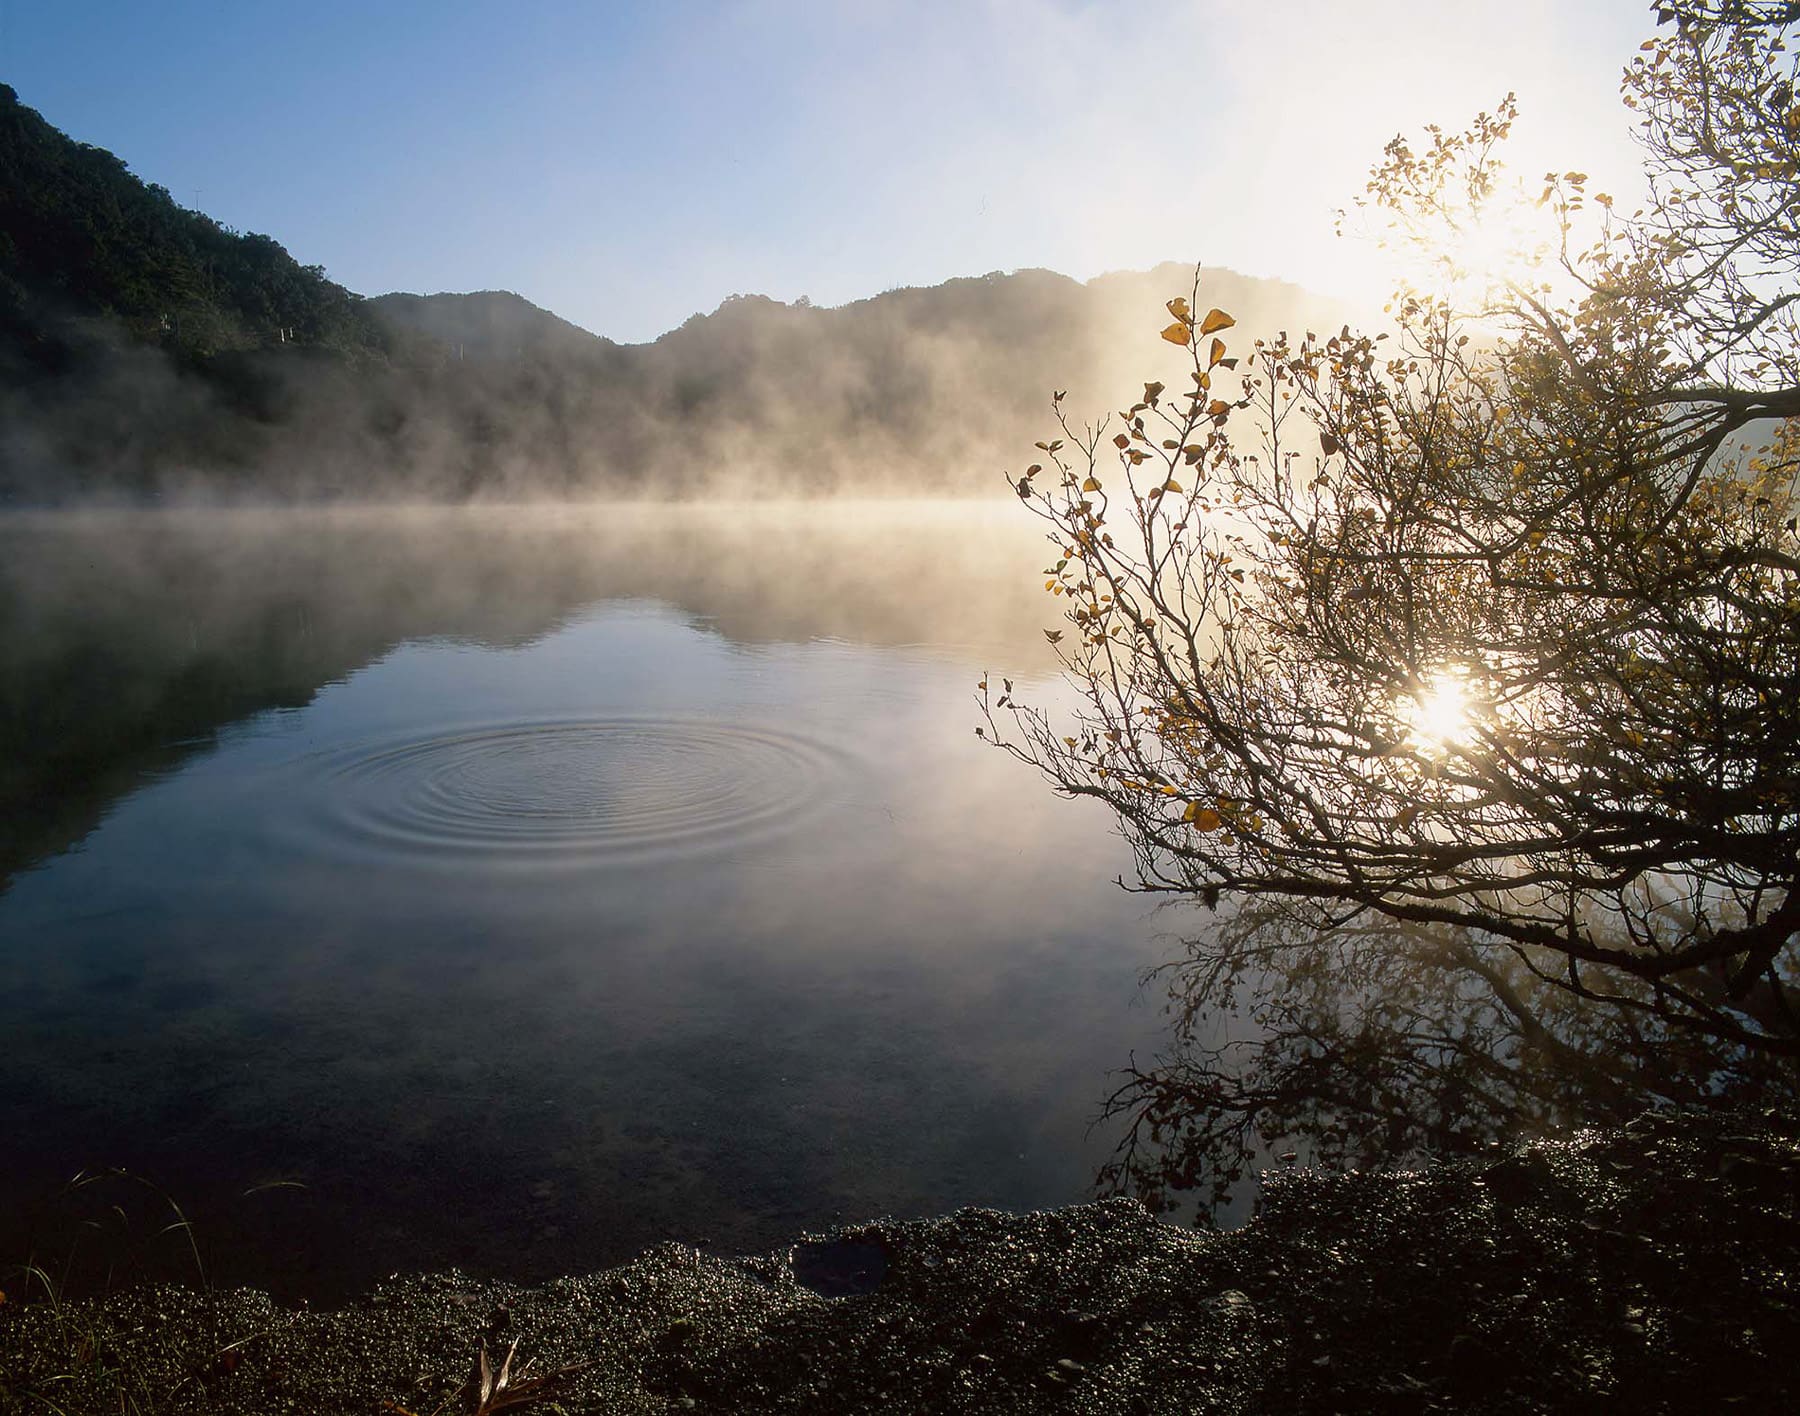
<point>514,889</point>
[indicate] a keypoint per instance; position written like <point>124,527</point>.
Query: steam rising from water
<point>917,392</point>
<point>127,639</point>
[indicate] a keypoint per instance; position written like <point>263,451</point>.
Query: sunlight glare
<point>1480,252</point>
<point>1441,716</point>
<point>1490,249</point>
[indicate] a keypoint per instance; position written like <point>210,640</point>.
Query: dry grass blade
<point>496,1391</point>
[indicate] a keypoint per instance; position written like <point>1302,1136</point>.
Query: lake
<point>515,888</point>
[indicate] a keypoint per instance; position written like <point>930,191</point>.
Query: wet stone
<point>840,1268</point>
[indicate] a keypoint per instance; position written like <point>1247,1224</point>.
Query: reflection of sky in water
<point>852,963</point>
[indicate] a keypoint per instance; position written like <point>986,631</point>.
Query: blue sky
<point>628,164</point>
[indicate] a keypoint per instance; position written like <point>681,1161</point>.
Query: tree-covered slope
<point>81,237</point>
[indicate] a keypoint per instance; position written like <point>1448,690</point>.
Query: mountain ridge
<point>147,352</point>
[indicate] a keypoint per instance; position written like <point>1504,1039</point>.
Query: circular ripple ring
<point>598,791</point>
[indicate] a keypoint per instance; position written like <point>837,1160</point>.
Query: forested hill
<point>147,351</point>
<point>80,237</point>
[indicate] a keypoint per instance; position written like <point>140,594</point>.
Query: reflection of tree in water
<point>1385,1044</point>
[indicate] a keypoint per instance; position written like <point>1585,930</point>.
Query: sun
<point>1490,248</point>
<point>1441,714</point>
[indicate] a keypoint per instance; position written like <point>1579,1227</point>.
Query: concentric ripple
<point>593,792</point>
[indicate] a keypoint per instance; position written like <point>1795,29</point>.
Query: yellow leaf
<point>1204,817</point>
<point>1216,320</point>
<point>1218,353</point>
<point>1178,307</point>
<point>1171,485</point>
<point>1176,333</point>
<point>1091,485</point>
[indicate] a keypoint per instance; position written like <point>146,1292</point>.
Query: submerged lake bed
<point>517,888</point>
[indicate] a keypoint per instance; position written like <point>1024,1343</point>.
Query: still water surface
<point>515,889</point>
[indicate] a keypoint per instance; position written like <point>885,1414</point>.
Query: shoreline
<point>1653,1267</point>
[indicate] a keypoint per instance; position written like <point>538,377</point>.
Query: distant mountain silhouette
<point>146,351</point>
<point>488,324</point>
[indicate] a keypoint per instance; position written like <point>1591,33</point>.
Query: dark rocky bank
<point>1654,1268</point>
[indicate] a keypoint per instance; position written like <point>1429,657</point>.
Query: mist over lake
<point>513,889</point>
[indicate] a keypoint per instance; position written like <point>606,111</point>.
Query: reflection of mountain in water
<point>128,642</point>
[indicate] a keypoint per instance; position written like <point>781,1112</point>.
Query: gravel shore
<point>1653,1268</point>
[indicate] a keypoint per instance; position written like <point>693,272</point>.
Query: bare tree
<point>1490,626</point>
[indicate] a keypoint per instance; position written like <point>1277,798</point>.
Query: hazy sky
<point>628,164</point>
